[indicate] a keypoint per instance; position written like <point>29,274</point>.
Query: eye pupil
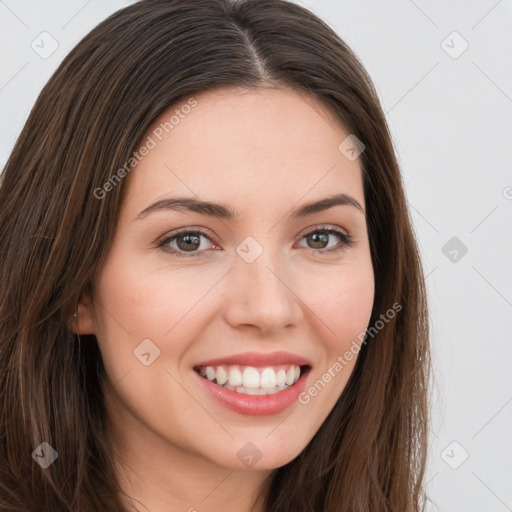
<point>188,243</point>
<point>319,238</point>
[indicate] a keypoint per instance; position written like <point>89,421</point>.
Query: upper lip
<point>257,359</point>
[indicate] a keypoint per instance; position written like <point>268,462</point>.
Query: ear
<point>83,322</point>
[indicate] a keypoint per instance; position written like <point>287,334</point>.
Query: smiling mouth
<point>253,380</point>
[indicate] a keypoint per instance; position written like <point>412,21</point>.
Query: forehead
<point>230,144</point>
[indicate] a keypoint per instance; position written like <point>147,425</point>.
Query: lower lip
<point>256,405</point>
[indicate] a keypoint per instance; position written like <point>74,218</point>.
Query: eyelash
<point>346,241</point>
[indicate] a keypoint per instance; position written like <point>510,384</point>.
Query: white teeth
<point>235,377</point>
<point>290,376</point>
<point>251,378</point>
<point>210,372</point>
<point>222,376</point>
<point>249,391</point>
<point>268,378</point>
<point>259,391</point>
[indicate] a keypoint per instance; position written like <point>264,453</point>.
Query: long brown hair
<point>370,453</point>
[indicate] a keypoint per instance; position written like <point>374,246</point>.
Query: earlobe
<point>82,319</point>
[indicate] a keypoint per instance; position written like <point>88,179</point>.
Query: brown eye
<point>320,237</point>
<point>186,242</point>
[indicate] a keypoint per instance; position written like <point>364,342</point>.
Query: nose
<point>262,294</point>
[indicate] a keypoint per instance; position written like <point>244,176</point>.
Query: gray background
<point>449,110</point>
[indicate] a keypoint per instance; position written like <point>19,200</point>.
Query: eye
<point>188,242</point>
<point>319,238</point>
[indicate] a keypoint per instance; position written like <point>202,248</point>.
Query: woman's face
<point>262,282</point>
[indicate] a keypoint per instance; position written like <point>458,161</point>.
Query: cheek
<point>137,304</point>
<point>343,304</point>
<point>145,302</point>
<point>342,307</point>
<point>140,302</point>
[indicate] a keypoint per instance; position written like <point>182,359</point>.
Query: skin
<point>262,153</point>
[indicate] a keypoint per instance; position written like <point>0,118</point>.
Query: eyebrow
<point>223,212</point>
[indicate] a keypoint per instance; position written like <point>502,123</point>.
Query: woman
<point>212,297</point>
